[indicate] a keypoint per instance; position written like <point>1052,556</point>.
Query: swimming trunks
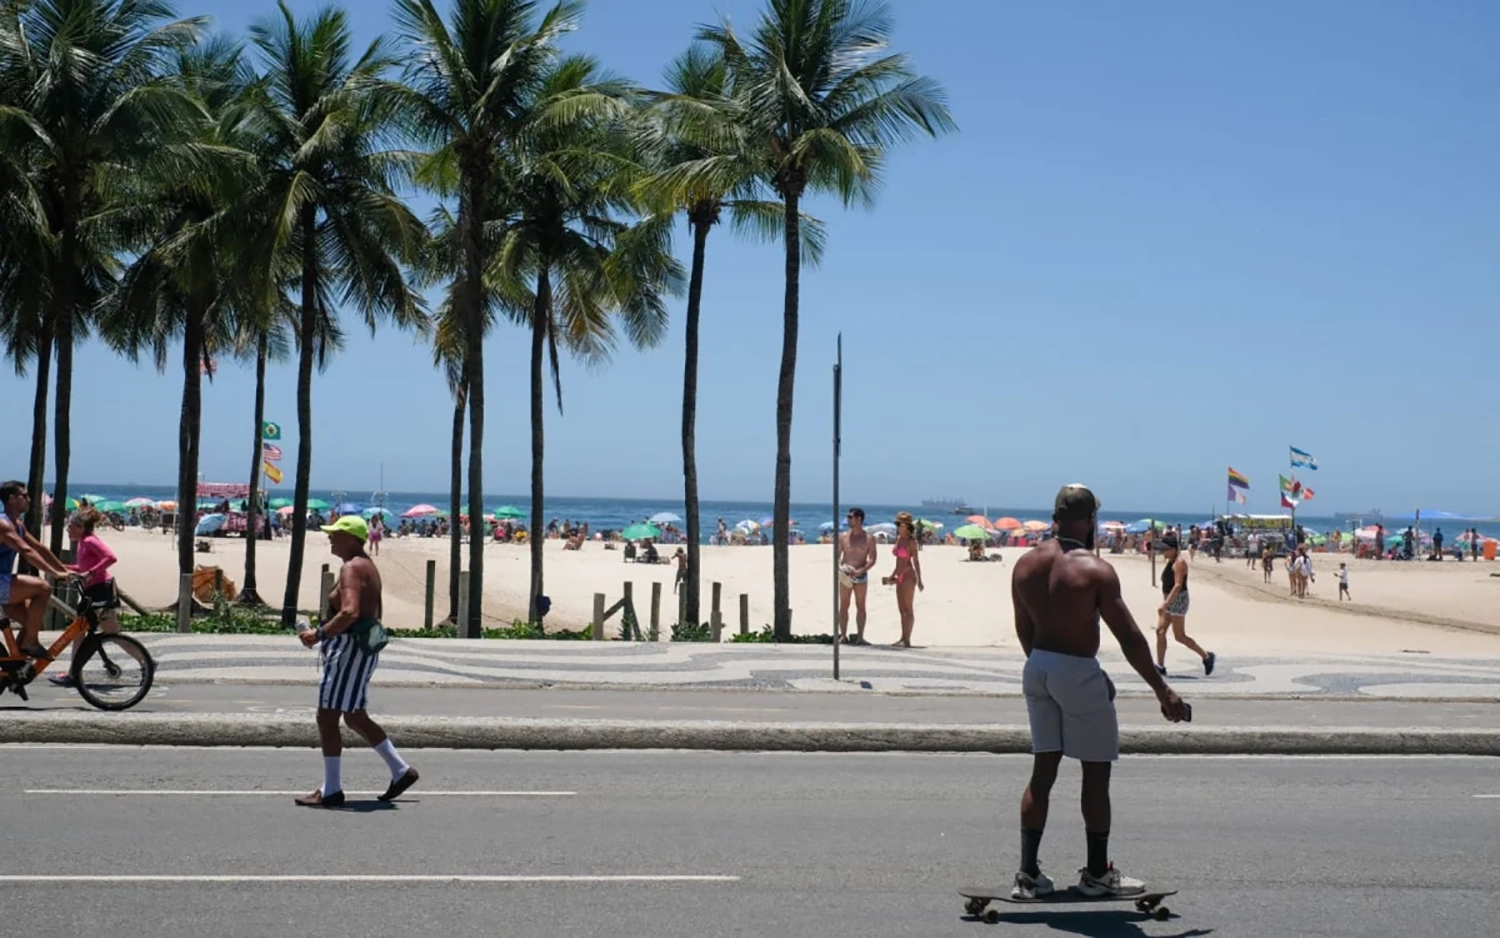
<point>5,580</point>
<point>1071,705</point>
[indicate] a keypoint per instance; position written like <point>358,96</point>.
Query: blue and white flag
<point>1300,458</point>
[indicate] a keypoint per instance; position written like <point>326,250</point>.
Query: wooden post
<point>716,619</point>
<point>125,598</point>
<point>185,603</point>
<point>327,587</point>
<point>427,607</point>
<point>629,628</point>
<point>744,613</point>
<point>655,633</point>
<point>463,606</point>
<point>598,631</point>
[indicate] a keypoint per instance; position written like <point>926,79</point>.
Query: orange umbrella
<point>1007,524</point>
<point>980,520</point>
<point>1036,526</point>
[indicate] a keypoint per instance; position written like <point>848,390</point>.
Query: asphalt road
<point>770,706</point>
<point>807,844</point>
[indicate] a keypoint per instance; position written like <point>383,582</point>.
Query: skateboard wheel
<point>1163,913</point>
<point>992,917</point>
<point>1141,905</point>
<point>974,906</point>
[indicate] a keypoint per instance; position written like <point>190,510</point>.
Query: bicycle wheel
<point>113,672</point>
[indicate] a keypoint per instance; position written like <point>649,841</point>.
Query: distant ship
<point>954,506</point>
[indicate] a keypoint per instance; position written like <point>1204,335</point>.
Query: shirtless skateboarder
<point>1060,591</point>
<point>856,558</point>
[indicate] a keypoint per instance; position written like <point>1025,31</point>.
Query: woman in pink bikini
<point>907,575</point>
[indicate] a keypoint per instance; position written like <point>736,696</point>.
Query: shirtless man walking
<point>856,558</point>
<point>1060,591</point>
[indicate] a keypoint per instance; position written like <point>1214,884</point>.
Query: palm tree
<point>825,101</point>
<point>705,167</point>
<point>191,196</point>
<point>92,104</point>
<point>470,84</point>
<point>574,245</point>
<point>266,338</point>
<point>332,203</point>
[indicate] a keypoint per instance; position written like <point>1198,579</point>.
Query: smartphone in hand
<point>1187,712</point>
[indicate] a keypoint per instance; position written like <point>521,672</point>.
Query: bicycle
<point>110,671</point>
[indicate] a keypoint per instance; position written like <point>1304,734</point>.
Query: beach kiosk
<point>1242,526</point>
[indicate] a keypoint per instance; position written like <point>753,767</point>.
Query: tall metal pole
<point>838,404</point>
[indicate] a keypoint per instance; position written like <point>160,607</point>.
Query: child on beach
<point>94,558</point>
<point>1344,584</point>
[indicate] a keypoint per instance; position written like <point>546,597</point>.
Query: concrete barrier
<point>293,730</point>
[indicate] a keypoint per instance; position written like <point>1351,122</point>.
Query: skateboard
<point>979,898</point>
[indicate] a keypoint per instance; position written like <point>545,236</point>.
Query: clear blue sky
<point>1169,238</point>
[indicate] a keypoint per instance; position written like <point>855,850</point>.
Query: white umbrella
<point>665,517</point>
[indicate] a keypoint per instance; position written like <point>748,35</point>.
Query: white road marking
<point>376,878</point>
<point>263,791</point>
<point>1487,796</point>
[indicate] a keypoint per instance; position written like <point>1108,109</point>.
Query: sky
<point>1169,238</point>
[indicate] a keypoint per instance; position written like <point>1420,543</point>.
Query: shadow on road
<point>1112,924</point>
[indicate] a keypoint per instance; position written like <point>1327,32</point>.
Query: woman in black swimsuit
<point>1172,613</point>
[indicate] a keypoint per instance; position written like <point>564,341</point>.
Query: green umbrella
<point>638,531</point>
<point>317,504</point>
<point>926,525</point>
<point>108,505</point>
<point>93,499</point>
<point>281,503</point>
<point>509,512</point>
<point>972,532</point>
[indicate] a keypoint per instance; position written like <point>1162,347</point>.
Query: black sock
<point>1031,842</point>
<point>1098,852</point>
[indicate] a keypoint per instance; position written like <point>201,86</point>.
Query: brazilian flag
<point>270,431</point>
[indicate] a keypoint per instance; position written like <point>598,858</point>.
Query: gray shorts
<point>1071,703</point>
<point>1179,606</point>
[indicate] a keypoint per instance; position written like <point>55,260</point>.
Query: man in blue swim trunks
<point>856,558</point>
<point>24,598</point>
<point>1060,591</point>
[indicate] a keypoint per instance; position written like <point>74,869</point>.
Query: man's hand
<point>308,638</point>
<point>1172,706</point>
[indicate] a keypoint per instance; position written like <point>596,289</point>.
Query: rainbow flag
<point>1238,479</point>
<point>1236,496</point>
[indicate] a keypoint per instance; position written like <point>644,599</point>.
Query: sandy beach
<point>1439,608</point>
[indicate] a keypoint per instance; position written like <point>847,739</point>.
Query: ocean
<point>616,513</point>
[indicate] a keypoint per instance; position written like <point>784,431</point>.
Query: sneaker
<point>1208,663</point>
<point>1028,887</point>
<point>1110,884</point>
<point>1161,670</point>
<point>62,680</point>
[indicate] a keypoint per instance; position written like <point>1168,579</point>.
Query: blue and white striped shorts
<point>346,674</point>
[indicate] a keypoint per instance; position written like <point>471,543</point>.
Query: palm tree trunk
<point>306,339</point>
<point>690,586</point>
<point>62,426</point>
<point>455,500</point>
<point>541,315</point>
<point>471,221</point>
<point>187,434</point>
<point>36,477</point>
<point>248,596</point>
<point>781,511</point>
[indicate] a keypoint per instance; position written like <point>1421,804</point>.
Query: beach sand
<point>1441,608</point>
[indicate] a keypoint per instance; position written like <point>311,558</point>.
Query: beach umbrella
<point>108,505</point>
<point>1113,525</point>
<point>318,504</point>
<point>280,503</point>
<point>980,520</point>
<point>285,510</point>
<point>1036,527</point>
<point>1007,523</point>
<point>417,511</point>
<point>971,532</point>
<point>666,517</point>
<point>167,504</point>
<point>93,499</point>
<point>208,524</point>
<point>637,532</point>
<point>139,503</point>
<point>347,508</point>
<point>509,512</point>
<point>748,525</point>
<point>884,527</point>
<point>929,525</point>
<point>378,510</point>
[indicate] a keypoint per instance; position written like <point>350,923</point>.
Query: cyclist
<point>24,598</point>
<point>94,560</point>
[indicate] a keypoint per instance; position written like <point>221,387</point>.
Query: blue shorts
<point>5,581</point>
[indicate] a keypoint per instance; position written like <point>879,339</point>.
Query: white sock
<point>331,781</point>
<point>393,760</point>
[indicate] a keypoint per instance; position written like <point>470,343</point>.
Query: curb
<point>235,730</point>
